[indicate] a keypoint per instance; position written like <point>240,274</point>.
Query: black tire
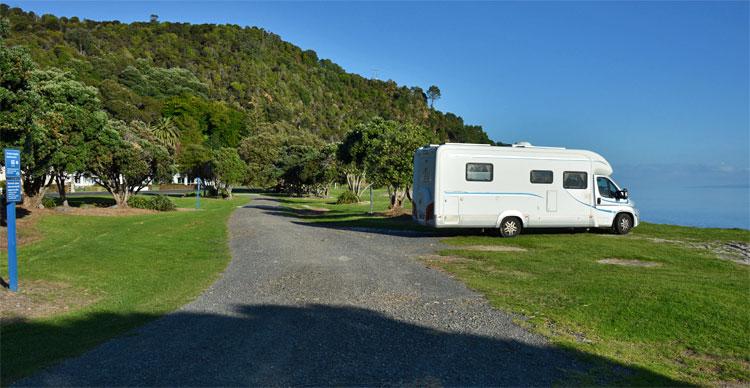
<point>510,227</point>
<point>622,224</point>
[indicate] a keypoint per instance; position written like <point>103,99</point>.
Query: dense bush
<point>162,203</point>
<point>347,197</point>
<point>138,202</point>
<point>159,202</point>
<point>48,203</point>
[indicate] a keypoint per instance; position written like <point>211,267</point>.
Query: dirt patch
<point>736,251</point>
<point>37,299</point>
<point>492,248</point>
<point>396,212</point>
<point>26,231</point>
<point>629,263</point>
<point>101,211</point>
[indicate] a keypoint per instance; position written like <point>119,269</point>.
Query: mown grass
<point>136,267</point>
<point>687,319</point>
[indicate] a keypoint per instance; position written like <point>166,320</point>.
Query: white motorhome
<point>522,186</point>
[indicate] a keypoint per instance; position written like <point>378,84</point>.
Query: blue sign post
<point>12,195</point>
<point>198,193</point>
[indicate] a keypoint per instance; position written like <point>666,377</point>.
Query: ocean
<point>704,206</point>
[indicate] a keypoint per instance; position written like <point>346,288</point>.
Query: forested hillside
<point>221,83</point>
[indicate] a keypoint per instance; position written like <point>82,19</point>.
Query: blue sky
<point>643,83</point>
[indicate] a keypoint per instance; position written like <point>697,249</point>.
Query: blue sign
<point>12,195</point>
<point>13,190</point>
<point>12,163</point>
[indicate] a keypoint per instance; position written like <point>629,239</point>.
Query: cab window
<point>479,172</point>
<point>575,180</point>
<point>607,189</point>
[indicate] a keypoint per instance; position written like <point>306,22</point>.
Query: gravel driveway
<point>306,305</point>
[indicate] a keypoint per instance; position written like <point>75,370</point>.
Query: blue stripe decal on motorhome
<point>585,204</point>
<point>615,202</point>
<point>489,193</point>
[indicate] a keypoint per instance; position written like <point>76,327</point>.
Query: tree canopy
<point>141,69</point>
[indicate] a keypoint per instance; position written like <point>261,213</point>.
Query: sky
<point>652,86</point>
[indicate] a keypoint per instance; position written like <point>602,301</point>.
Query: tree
<point>45,114</point>
<point>306,169</point>
<point>228,170</point>
<point>68,114</point>
<point>18,106</point>
<point>194,161</point>
<point>166,133</point>
<point>260,153</point>
<point>433,94</point>
<point>387,150</point>
<point>125,159</point>
<point>351,154</point>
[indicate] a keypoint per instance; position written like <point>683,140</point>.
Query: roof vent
<point>522,144</point>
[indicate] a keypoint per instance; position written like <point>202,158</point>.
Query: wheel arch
<point>630,214</point>
<point>511,213</point>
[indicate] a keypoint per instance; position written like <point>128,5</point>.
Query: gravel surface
<point>306,305</point>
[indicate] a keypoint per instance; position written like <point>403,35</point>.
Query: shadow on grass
<point>402,225</point>
<point>291,346</point>
<point>90,200</point>
<point>20,213</point>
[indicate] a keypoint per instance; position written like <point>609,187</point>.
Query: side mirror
<point>622,194</point>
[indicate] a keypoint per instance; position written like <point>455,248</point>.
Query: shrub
<point>159,203</point>
<point>347,197</point>
<point>139,202</point>
<point>162,203</point>
<point>48,203</point>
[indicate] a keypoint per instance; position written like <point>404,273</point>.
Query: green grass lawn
<point>687,319</point>
<point>133,269</point>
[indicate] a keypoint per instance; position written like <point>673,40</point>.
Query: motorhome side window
<point>541,176</point>
<point>575,180</point>
<point>479,172</point>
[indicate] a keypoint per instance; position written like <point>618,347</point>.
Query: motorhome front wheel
<point>623,223</point>
<point>510,227</point>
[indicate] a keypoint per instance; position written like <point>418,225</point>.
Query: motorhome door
<point>606,200</point>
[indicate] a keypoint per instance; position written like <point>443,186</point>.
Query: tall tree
<point>433,94</point>
<point>46,114</point>
<point>68,114</point>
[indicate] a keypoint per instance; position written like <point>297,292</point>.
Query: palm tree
<point>166,132</point>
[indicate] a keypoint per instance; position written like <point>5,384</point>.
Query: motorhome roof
<point>527,149</point>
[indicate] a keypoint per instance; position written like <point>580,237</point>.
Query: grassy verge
<point>685,318</point>
<point>126,270</point>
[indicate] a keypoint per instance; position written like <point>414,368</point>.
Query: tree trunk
<point>34,201</point>
<point>397,198</point>
<point>121,199</point>
<point>33,191</point>
<point>60,181</point>
<point>356,183</point>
